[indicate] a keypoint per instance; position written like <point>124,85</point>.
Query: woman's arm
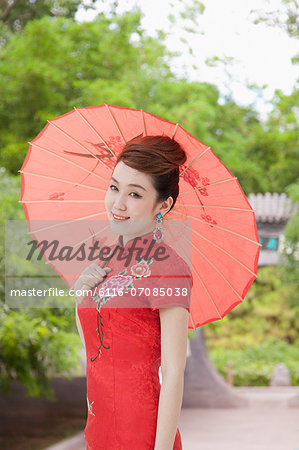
<point>174,337</point>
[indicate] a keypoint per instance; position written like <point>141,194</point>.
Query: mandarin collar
<point>149,236</point>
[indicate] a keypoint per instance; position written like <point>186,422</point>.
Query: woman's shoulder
<point>171,261</point>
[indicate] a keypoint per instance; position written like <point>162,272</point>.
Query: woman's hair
<point>159,157</point>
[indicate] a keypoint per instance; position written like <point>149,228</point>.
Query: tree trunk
<point>204,387</point>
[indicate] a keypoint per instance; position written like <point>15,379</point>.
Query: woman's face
<point>130,202</point>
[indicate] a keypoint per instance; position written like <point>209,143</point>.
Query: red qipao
<point>123,346</point>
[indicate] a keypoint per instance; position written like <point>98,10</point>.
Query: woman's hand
<point>89,278</point>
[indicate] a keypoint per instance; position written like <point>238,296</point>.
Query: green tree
<point>286,17</point>
<point>14,14</point>
<point>68,65</point>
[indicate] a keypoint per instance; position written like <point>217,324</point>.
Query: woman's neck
<point>127,238</point>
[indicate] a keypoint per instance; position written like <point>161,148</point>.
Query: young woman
<point>128,408</point>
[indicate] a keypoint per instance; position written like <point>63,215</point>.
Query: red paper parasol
<point>67,170</point>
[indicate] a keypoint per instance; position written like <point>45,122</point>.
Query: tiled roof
<point>272,207</point>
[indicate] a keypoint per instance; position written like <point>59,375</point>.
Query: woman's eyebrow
<point>136,185</point>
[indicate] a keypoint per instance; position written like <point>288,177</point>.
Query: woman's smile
<point>118,218</point>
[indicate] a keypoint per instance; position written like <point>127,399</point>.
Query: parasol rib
<point>222,249</point>
<point>61,201</point>
<point>207,259</point>
<point>173,134</point>
<point>77,142</point>
<point>142,115</point>
<point>120,133</point>
<point>87,239</point>
<point>96,132</point>
<point>217,226</point>
<point>71,162</point>
<point>194,327</point>
<point>215,206</point>
<point>204,286</point>
<point>193,324</point>
<point>207,185</point>
<point>197,157</point>
<point>60,179</point>
<point>68,221</point>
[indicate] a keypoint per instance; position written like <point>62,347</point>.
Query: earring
<point>158,232</point>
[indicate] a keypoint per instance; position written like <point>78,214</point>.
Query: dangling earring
<point>158,232</point>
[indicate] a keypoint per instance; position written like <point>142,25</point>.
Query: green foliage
<point>264,312</point>
<point>71,64</point>
<point>260,332</point>
<point>276,147</point>
<point>289,267</point>
<point>286,17</point>
<point>15,15</point>
<point>36,346</point>
<point>253,366</point>
<point>9,209</point>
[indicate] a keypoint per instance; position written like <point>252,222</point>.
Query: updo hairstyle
<point>160,157</point>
